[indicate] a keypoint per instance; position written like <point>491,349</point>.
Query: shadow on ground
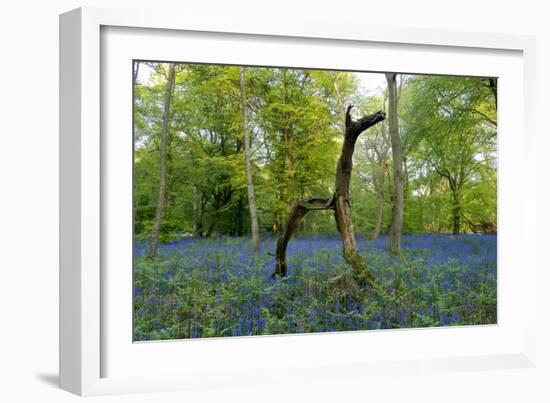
<point>49,379</point>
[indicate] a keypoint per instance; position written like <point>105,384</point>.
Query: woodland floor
<point>218,287</point>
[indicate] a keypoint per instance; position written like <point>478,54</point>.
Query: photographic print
<point>275,200</point>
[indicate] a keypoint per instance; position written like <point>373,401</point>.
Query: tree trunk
<point>380,183</point>
<point>397,210</point>
<point>135,200</point>
<point>298,212</point>
<point>249,182</point>
<point>163,153</point>
<point>493,87</point>
<point>198,213</point>
<point>239,225</point>
<point>340,202</point>
<point>456,212</point>
<point>136,73</point>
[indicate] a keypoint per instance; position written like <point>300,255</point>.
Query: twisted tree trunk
<point>298,212</point>
<point>340,202</point>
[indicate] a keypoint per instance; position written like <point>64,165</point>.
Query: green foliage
<point>212,285</point>
<point>448,129</point>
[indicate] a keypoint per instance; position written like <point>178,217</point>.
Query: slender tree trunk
<point>493,87</point>
<point>200,215</point>
<point>456,209</point>
<point>195,221</point>
<point>136,72</point>
<point>134,81</point>
<point>397,210</point>
<point>379,176</point>
<point>163,154</point>
<point>287,148</point>
<point>249,182</point>
<point>339,100</point>
<point>381,199</point>
<point>340,202</point>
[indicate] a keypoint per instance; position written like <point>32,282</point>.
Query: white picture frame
<point>91,342</point>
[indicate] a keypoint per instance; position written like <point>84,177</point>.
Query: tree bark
<point>249,182</point>
<point>456,209</point>
<point>135,73</point>
<point>380,183</point>
<point>380,148</point>
<point>493,87</point>
<point>198,212</point>
<point>296,215</point>
<point>342,198</point>
<point>155,241</point>
<point>198,209</point>
<point>340,202</point>
<point>398,201</point>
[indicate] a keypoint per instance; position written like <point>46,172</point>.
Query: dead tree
<point>340,203</point>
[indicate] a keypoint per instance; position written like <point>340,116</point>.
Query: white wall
<point>29,187</point>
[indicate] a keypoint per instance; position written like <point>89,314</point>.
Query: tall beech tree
<point>398,199</point>
<point>155,238</point>
<point>380,147</point>
<point>452,123</point>
<point>248,166</point>
<point>376,148</point>
<point>339,202</point>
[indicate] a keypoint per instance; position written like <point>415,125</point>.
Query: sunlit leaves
<point>448,132</point>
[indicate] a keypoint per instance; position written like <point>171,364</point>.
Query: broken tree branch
<point>297,214</point>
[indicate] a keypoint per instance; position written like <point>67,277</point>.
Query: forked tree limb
<point>298,212</point>
<point>355,128</point>
<point>339,202</point>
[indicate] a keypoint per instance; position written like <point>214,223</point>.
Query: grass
<point>218,287</point>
